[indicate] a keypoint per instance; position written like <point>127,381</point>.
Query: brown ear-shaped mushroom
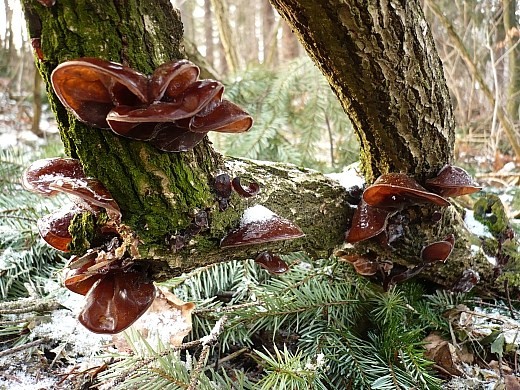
<point>194,99</point>
<point>116,301</point>
<point>78,279</point>
<point>224,117</point>
<point>171,79</point>
<point>393,191</point>
<point>364,265</point>
<point>452,181</point>
<point>438,251</point>
<point>39,176</point>
<point>92,192</point>
<point>53,175</point>
<point>251,190</point>
<point>367,222</point>
<point>272,263</point>
<point>260,225</point>
<point>172,138</point>
<point>91,87</point>
<point>54,228</point>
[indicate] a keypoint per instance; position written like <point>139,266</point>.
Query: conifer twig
<point>207,342</point>
<point>21,347</point>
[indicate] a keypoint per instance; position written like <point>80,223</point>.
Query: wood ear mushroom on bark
<point>51,176</point>
<point>393,192</point>
<point>118,292</point>
<point>171,109</point>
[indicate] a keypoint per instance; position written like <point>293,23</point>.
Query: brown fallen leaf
<point>512,382</point>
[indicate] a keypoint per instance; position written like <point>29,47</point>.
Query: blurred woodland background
<point>298,120</point>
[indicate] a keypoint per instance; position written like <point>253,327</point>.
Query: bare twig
<point>22,347</point>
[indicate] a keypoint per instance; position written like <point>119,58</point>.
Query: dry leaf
<point>512,382</point>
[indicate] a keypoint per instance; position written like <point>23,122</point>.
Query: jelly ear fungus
<point>51,176</point>
<point>171,109</point>
<point>259,225</point>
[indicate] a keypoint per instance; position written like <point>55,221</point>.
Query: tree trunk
<point>208,33</point>
<point>227,38</point>
<point>290,45</point>
<point>513,46</point>
<point>399,105</point>
<point>269,35</point>
<point>381,62</point>
<point>37,104</point>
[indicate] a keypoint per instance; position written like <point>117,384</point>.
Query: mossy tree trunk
<point>379,59</point>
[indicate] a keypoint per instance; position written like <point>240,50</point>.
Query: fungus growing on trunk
<point>54,228</point>
<point>259,225</point>
<point>367,222</point>
<point>116,301</point>
<point>393,191</point>
<point>438,251</point>
<point>271,262</point>
<point>222,187</point>
<point>50,176</point>
<point>251,190</point>
<point>171,108</point>
<point>452,181</point>
<point>118,291</point>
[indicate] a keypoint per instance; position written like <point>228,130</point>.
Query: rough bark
<point>37,104</point>
<point>380,59</point>
<point>512,45</point>
<point>357,48</point>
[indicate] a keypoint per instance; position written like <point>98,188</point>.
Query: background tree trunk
<point>227,37</point>
<point>380,59</point>
<point>269,34</point>
<point>512,44</point>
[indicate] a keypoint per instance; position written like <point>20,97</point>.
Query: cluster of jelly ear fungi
<point>172,109</point>
<point>390,194</point>
<point>117,291</point>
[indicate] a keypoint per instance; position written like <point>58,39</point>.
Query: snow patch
<point>20,380</point>
<point>256,214</point>
<point>349,178</point>
<point>476,227</point>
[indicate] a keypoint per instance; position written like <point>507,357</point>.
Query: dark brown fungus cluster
<point>389,195</point>
<point>271,262</point>
<point>117,291</point>
<point>223,186</point>
<point>51,176</point>
<point>199,223</point>
<point>259,225</point>
<point>172,108</point>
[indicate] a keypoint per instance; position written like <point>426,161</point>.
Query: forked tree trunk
<point>379,59</point>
